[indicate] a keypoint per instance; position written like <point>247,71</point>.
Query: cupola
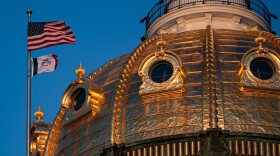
<point>175,16</point>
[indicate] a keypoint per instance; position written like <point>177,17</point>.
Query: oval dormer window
<point>262,68</point>
<point>78,99</point>
<point>161,71</point>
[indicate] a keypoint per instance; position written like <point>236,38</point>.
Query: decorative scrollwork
<point>175,82</point>
<point>96,99</point>
<point>249,80</point>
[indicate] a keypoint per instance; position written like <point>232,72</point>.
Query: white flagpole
<point>29,12</point>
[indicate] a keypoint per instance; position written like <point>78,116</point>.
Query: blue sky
<point>104,30</point>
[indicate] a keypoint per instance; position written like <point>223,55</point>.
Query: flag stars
<point>35,28</point>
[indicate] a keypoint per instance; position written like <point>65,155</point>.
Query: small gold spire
<point>161,44</point>
<point>260,41</point>
<point>80,72</point>
<point>39,114</point>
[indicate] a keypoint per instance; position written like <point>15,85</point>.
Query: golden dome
<point>196,80</point>
<point>212,96</point>
<point>39,114</point>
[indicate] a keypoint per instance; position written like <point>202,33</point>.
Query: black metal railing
<point>162,8</point>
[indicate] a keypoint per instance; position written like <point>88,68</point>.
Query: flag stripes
<point>45,34</point>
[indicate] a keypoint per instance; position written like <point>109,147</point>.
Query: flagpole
<point>29,12</point>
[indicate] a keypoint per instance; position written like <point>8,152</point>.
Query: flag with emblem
<point>45,34</point>
<point>43,64</point>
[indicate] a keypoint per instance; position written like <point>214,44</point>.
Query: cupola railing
<point>162,8</point>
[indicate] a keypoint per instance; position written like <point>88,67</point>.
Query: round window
<point>161,71</point>
<point>262,68</point>
<point>78,99</point>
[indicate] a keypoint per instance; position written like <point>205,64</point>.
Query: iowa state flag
<point>45,63</point>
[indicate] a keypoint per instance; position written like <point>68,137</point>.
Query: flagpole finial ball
<point>29,11</point>
<point>80,71</point>
<point>39,114</point>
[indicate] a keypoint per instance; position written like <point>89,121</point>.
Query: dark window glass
<point>79,98</point>
<point>161,71</point>
<point>262,68</point>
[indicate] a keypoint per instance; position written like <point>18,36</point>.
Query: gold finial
<point>260,41</point>
<point>161,44</point>
<point>80,72</point>
<point>39,114</point>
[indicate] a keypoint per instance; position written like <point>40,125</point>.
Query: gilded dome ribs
<point>211,79</point>
<point>54,134</point>
<point>117,127</point>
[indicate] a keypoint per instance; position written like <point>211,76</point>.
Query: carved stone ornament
<point>174,83</point>
<point>249,80</point>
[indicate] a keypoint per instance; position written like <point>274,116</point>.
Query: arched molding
<point>175,82</point>
<point>247,78</point>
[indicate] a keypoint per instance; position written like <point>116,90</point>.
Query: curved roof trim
<point>55,132</point>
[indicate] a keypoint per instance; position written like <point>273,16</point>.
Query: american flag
<point>45,34</point>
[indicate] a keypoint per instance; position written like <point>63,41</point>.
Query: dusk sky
<point>104,30</point>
